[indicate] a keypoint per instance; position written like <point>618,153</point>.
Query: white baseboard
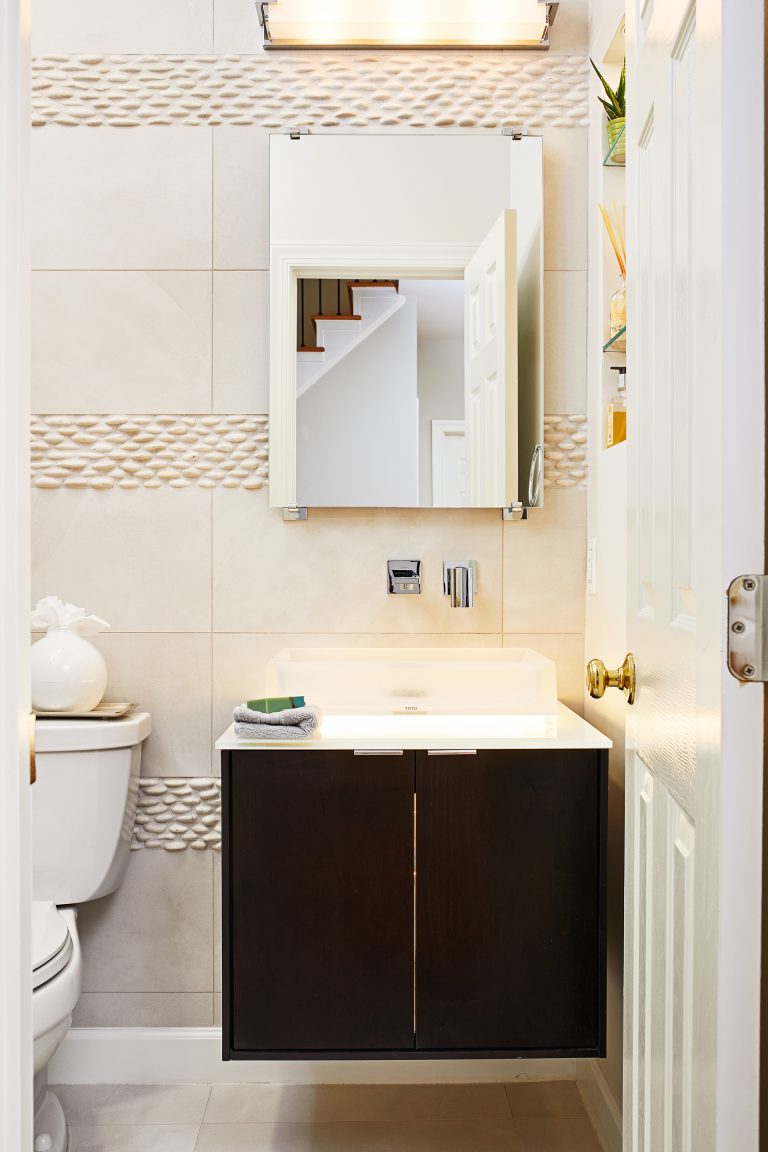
<point>193,1056</point>
<point>601,1105</point>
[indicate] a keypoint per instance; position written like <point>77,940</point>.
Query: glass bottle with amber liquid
<point>616,412</point>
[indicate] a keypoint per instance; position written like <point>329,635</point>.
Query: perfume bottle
<point>616,412</point>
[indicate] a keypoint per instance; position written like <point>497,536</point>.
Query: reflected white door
<point>490,366</point>
<point>449,464</point>
<point>695,496</point>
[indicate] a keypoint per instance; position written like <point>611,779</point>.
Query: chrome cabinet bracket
<point>514,512</point>
<point>747,628</point>
<point>295,131</point>
<point>516,131</point>
<point>295,513</point>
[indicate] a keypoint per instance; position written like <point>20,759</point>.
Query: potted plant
<point>615,109</point>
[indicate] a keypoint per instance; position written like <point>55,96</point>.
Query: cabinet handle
<point>452,752</point>
<point>378,752</point>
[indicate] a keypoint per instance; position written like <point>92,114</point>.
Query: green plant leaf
<point>617,107</point>
<point>621,90</point>
<point>610,111</point>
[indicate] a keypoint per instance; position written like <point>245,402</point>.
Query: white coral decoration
<point>50,612</point>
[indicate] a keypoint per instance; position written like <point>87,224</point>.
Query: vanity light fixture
<point>406,23</point>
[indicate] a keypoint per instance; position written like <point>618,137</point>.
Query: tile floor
<point>530,1117</point>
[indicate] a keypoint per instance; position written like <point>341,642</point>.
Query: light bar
<point>406,23</point>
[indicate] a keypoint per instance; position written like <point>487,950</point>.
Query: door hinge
<point>295,132</point>
<point>516,131</point>
<point>747,638</point>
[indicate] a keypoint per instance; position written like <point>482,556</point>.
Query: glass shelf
<point>615,156</point>
<point>618,342</point>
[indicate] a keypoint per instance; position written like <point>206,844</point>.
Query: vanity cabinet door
<point>510,939</point>
<point>319,880</point>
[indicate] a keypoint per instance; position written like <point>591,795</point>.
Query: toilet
<point>83,809</point>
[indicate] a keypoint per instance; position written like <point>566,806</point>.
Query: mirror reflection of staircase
<point>335,316</point>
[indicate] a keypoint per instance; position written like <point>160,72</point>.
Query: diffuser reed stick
<point>618,250</point>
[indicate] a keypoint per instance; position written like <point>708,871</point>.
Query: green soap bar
<point>275,703</point>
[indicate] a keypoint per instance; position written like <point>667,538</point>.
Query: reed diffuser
<point>618,314</point>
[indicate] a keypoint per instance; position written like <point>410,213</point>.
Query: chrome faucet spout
<point>460,582</point>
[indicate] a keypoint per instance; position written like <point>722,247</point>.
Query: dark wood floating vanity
<point>412,904</point>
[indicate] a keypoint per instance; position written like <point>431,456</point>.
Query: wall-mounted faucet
<point>460,582</point>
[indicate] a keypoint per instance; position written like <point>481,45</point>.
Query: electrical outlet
<point>592,566</point>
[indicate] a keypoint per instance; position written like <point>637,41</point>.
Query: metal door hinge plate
<point>295,132</point>
<point>516,131</point>
<point>514,512</point>
<point>747,640</point>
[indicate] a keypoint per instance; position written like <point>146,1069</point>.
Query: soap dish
<point>106,710</point>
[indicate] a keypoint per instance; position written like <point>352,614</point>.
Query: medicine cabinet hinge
<point>295,513</point>
<point>748,629</point>
<point>516,131</point>
<point>295,132</point>
<point>515,511</point>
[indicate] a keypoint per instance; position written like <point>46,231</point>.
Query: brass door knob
<point>599,678</point>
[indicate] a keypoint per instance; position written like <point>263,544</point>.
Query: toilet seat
<point>51,942</point>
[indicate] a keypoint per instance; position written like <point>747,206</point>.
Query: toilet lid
<point>51,942</point>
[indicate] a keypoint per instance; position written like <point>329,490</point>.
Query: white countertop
<point>396,732</point>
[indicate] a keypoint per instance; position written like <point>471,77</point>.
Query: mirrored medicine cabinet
<point>406,295</point>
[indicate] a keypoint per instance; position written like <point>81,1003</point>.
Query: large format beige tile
<point>428,1136</point>
<point>170,677</point>
<point>155,933</point>
<point>143,1010</point>
<point>241,342</point>
<point>101,26</point>
<point>567,651</point>
<point>121,199</point>
<point>553,1099</point>
<point>121,342</point>
<point>565,199</point>
<point>133,1138</point>
<point>97,1104</point>
<point>554,1135</point>
<point>236,27</point>
<point>273,576</point>
<point>217,935</point>
<point>570,31</point>
<point>544,578</point>
<point>565,335</point>
<point>240,197</point>
<point>140,559</point>
<point>326,1103</point>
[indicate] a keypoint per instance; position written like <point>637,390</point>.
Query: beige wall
<point>150,300</point>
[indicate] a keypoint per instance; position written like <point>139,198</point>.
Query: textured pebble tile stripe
<point>565,451</point>
<point>176,814</point>
<point>104,452</point>
<point>403,90</point>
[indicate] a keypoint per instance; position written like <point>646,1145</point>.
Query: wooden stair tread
<point>309,348</point>
<point>331,316</point>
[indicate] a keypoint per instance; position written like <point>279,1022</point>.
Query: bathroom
<point>157,505</point>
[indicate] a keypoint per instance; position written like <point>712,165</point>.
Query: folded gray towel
<point>290,724</point>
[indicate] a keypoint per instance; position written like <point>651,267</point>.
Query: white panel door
<point>695,505</point>
<point>449,464</point>
<point>490,366</point>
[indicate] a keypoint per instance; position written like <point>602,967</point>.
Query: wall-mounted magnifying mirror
<point>406,294</point>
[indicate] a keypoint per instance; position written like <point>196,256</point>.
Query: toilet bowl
<point>83,810</point>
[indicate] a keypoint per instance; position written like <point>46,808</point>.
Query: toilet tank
<point>84,805</point>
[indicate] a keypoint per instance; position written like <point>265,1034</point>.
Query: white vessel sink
<point>468,689</point>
